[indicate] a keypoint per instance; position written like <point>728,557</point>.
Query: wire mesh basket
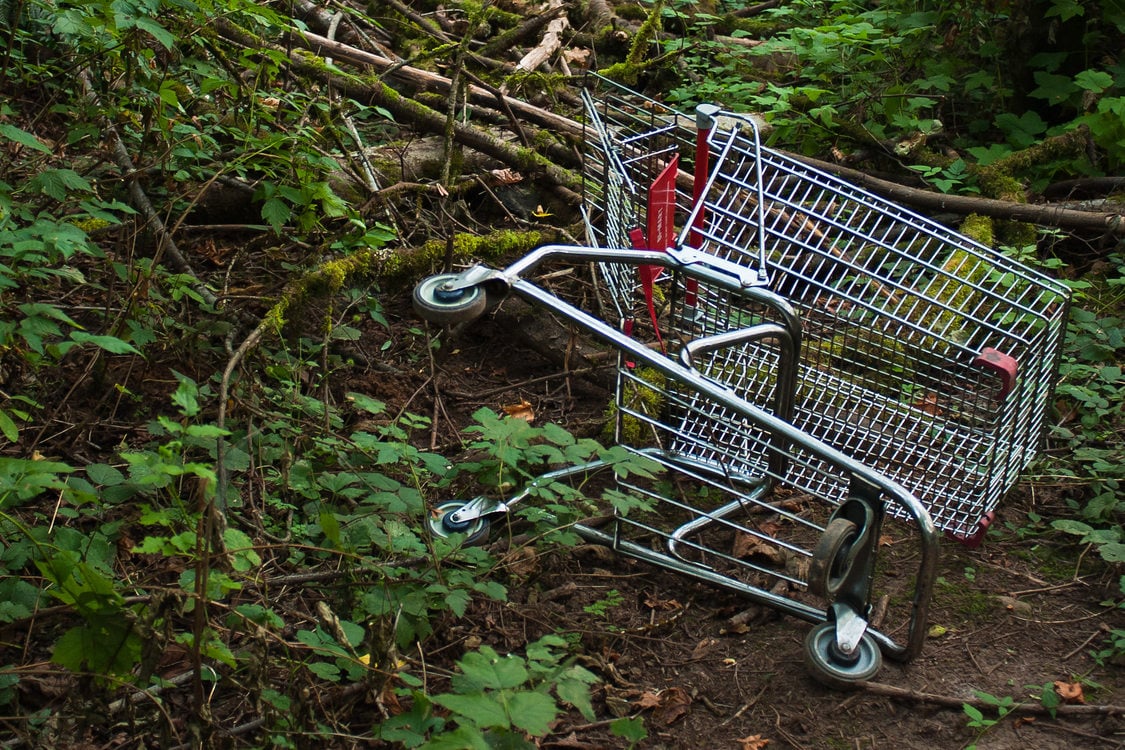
<point>924,354</point>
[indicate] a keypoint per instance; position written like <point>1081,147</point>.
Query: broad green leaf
<point>461,738</point>
<point>158,32</point>
<point>1095,81</point>
<point>59,183</point>
<point>1072,527</point>
<point>22,137</point>
<point>1053,87</point>
<point>487,669</point>
<point>245,557</point>
<point>185,395</point>
<point>533,712</point>
<point>1113,552</point>
<point>8,427</point>
<point>483,710</point>
<point>325,671</point>
<point>107,646</point>
<point>576,692</point>
<point>276,213</point>
<point>111,344</point>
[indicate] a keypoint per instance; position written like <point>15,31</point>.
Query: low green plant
<point>495,700</point>
<point>602,607</point>
<point>630,729</point>
<point>977,719</point>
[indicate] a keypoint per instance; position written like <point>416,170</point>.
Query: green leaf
<point>1072,527</point>
<point>1113,552</point>
<point>104,474</point>
<point>487,669</point>
<point>461,738</point>
<point>480,709</point>
<point>58,183</point>
<point>276,213</point>
<point>1053,87</point>
<point>8,427</point>
<point>1095,81</point>
<point>533,712</point>
<point>366,403</point>
<point>22,137</point>
<point>245,557</point>
<point>185,395</point>
<point>325,671</point>
<point>111,344</point>
<point>166,39</point>
<point>106,646</point>
<point>632,730</point>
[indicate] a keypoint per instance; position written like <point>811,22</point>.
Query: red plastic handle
<point>1005,367</point>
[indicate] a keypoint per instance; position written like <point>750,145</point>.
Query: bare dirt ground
<point>1019,616</point>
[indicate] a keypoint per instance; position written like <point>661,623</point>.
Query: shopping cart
<point>803,359</point>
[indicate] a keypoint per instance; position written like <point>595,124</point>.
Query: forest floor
<point>1018,616</point>
<point>1015,630</point>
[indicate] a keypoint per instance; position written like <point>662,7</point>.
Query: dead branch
<point>754,10</point>
<point>552,40</point>
<point>504,41</point>
<point>950,701</point>
<point>407,110</point>
<point>424,80</point>
<point>1043,215</point>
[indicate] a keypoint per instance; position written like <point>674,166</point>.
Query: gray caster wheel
<point>438,304</point>
<point>834,669</point>
<point>833,558</point>
<point>442,524</point>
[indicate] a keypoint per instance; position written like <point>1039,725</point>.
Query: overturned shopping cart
<point>803,359</point>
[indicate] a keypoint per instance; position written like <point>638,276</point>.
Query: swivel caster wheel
<point>436,300</point>
<point>834,669</point>
<point>443,525</point>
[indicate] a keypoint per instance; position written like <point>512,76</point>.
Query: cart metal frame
<point>803,360</point>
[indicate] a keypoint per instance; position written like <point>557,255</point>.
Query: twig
<point>1080,733</point>
<point>1100,631</point>
<point>745,707</point>
<point>164,240</point>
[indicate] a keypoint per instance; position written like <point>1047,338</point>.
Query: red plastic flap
<point>662,206</point>
<point>637,239</point>
<point>1005,367</point>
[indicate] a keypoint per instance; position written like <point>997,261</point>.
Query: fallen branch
<point>425,80</point>
<point>1052,216</point>
<point>552,40</point>
<point>407,110</point>
<point>1066,709</point>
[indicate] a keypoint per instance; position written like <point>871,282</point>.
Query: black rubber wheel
<point>835,670</point>
<point>442,524</point>
<point>435,303</point>
<point>832,558</point>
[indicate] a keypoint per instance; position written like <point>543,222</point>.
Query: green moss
<point>755,29</point>
<point>637,397</point>
<point>631,12</point>
<point>634,63</point>
<point>979,228</point>
<point>90,225</point>
<point>422,260</point>
<point>965,602</point>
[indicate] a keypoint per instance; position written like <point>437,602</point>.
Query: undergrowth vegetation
<point>171,520</point>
